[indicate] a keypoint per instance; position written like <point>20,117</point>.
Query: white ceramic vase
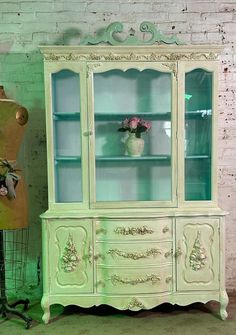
<point>134,145</point>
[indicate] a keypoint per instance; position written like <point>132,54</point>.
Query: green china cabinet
<point>132,231</point>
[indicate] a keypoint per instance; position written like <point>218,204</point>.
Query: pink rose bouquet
<point>135,125</point>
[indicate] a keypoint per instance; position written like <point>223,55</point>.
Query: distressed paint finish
<point>130,231</point>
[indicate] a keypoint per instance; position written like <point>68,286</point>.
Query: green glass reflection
<point>198,134</point>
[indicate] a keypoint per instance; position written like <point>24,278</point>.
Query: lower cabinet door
<point>70,256</point>
<point>197,253</point>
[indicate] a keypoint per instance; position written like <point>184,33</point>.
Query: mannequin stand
<point>6,308</point>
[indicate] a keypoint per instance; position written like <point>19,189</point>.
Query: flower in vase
<point>3,191</point>
<point>135,125</point>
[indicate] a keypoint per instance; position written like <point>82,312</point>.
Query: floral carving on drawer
<point>154,279</point>
<point>133,230</point>
<point>134,255</point>
<point>198,258</point>
<point>70,258</point>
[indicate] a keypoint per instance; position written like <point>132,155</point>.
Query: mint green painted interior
<point>198,135</point>
<point>118,95</point>
<point>67,136</point>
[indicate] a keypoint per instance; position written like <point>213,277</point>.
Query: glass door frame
<point>50,69</point>
<point>99,67</point>
<point>185,67</point>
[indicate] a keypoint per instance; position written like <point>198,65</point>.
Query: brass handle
<point>168,253</point>
<point>168,279</point>
<point>88,133</point>
<point>165,229</point>
<point>101,283</point>
<point>100,231</point>
<point>97,256</point>
<point>178,252</point>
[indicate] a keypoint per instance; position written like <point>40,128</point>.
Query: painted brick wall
<point>26,24</point>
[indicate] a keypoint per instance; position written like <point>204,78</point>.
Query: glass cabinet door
<point>198,134</point>
<point>142,97</point>
<point>67,136</point>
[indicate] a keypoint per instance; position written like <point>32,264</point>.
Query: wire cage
<point>14,247</point>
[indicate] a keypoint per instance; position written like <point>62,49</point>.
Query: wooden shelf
<point>66,116</point>
<point>129,158</point>
<point>67,158</point>
<point>120,117</point>
<point>198,157</point>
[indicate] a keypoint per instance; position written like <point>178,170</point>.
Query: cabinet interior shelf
<point>66,116</point>
<point>198,157</point>
<point>122,116</point>
<point>68,158</point>
<point>127,158</point>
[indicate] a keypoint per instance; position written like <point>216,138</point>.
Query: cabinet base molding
<point>135,303</point>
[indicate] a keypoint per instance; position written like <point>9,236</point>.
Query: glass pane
<point>121,175</point>
<point>67,136</point>
<point>68,184</point>
<point>198,134</point>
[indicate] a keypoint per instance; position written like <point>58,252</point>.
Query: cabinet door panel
<point>70,256</point>
<point>124,94</point>
<point>198,262</point>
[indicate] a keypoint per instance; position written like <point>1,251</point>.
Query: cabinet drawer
<point>130,229</point>
<point>133,254</point>
<point>131,281</point>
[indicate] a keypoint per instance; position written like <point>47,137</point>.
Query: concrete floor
<point>164,320</point>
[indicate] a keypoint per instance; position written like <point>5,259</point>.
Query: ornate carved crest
<point>109,35</point>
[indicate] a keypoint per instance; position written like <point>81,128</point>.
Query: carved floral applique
<point>70,259</point>
<point>198,258</point>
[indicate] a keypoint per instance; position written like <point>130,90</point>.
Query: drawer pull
<point>168,279</point>
<point>134,255</point>
<point>100,283</point>
<point>101,231</point>
<point>116,280</point>
<point>133,231</point>
<point>178,252</point>
<point>165,229</point>
<point>88,133</point>
<point>97,256</point>
<point>168,253</point>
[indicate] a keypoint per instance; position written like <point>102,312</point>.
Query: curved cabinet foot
<point>46,309</point>
<point>224,300</point>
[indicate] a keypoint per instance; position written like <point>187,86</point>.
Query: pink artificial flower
<point>133,122</point>
<point>125,123</point>
<point>3,191</point>
<point>146,124</point>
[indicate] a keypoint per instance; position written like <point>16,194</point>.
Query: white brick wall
<point>26,24</point>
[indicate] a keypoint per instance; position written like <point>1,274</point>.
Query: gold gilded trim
<point>134,255</point>
<point>110,56</point>
<point>154,279</point>
<point>135,303</point>
<point>133,230</point>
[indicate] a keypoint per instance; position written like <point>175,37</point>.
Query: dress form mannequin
<point>13,212</point>
<point>13,117</point>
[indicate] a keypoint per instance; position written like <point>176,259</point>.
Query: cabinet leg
<point>224,300</point>
<point>46,309</point>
